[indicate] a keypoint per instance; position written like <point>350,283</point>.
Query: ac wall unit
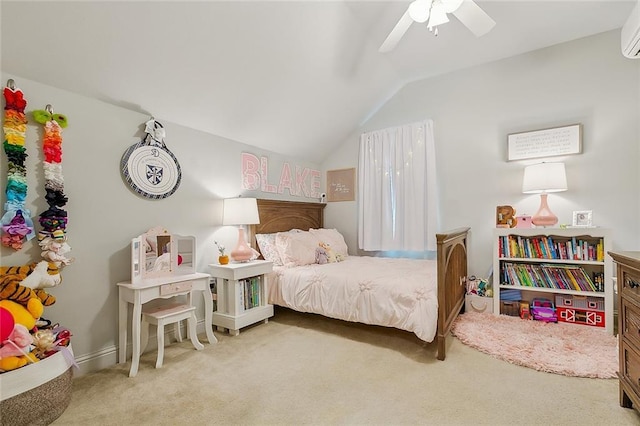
<point>630,35</point>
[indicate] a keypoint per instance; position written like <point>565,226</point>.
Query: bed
<point>416,295</point>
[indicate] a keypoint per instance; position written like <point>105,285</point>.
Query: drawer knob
<point>632,283</point>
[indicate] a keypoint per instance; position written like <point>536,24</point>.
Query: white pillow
<point>333,238</point>
<point>267,245</point>
<point>296,248</point>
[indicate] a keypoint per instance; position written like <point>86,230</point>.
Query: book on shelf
<point>249,294</point>
<point>545,247</point>
<point>553,276</point>
<point>598,281</point>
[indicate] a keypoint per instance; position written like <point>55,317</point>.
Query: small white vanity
<point>162,267</point>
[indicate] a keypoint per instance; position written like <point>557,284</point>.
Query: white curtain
<point>397,207</point>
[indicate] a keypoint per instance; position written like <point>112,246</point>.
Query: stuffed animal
<point>325,254</point>
<point>506,217</point>
<point>322,256</point>
<point>6,324</point>
<point>17,343</point>
<point>15,349</point>
<point>44,275</point>
<point>54,250</point>
<point>26,316</point>
<point>331,256</point>
<point>11,287</point>
<point>13,362</point>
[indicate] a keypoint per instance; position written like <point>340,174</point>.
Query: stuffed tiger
<point>11,288</point>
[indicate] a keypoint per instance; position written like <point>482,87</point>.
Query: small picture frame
<point>582,218</point>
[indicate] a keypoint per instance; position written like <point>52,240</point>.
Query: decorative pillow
<point>297,248</point>
<point>267,244</point>
<point>333,238</point>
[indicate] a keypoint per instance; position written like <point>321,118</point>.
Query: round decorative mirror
<point>150,169</point>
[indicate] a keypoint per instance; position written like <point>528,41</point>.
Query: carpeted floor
<point>568,349</point>
<point>303,369</point>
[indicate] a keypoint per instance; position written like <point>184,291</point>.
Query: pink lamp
<point>542,179</point>
<point>241,211</point>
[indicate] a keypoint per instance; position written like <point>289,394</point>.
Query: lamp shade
<point>543,178</point>
<point>240,211</point>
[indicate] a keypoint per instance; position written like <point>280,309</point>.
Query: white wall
<point>586,81</point>
<point>104,214</point>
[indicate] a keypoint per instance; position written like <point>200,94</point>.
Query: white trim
<point>108,357</point>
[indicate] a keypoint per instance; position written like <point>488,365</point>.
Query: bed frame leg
<point>441,348</point>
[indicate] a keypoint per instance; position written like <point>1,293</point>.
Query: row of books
<point>249,294</point>
<point>544,247</point>
<point>563,277</point>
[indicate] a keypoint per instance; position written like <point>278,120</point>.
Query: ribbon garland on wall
<point>16,222</point>
<point>17,225</point>
<point>52,238</point>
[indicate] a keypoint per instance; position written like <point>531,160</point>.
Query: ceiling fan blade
<point>396,33</point>
<point>474,18</point>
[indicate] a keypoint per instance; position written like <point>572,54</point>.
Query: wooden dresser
<point>628,277</point>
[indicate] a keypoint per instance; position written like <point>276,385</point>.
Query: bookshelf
<point>569,266</point>
<point>241,294</point>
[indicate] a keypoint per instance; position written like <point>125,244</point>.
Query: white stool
<point>168,314</point>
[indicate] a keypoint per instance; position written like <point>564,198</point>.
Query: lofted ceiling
<point>292,77</point>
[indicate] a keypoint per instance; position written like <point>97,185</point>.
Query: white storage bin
<point>475,303</point>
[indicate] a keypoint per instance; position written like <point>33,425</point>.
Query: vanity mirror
<point>158,253</point>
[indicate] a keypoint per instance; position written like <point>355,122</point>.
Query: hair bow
<point>14,99</point>
<point>42,116</point>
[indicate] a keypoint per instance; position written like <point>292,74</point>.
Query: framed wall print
<point>341,185</point>
<point>582,218</point>
<point>565,140</point>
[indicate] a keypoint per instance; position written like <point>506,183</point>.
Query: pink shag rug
<point>568,349</point>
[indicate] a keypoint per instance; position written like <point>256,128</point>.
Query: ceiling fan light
<point>451,6</point>
<point>438,15</point>
<point>419,10</point>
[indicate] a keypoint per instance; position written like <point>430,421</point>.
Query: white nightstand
<point>241,294</point>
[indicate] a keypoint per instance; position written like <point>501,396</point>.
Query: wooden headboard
<point>280,216</point>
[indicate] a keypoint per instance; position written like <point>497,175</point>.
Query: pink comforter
<point>391,292</point>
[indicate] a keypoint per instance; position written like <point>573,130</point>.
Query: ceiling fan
<point>435,12</point>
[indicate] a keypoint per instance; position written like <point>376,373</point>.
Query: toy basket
<point>36,394</point>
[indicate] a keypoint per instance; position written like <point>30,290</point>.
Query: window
<point>397,208</point>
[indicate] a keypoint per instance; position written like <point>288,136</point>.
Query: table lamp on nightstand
<point>241,211</point>
<point>542,179</point>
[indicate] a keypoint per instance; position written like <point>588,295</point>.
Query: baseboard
<point>95,361</point>
<point>108,357</point>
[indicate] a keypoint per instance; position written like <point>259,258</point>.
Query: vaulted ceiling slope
<point>293,77</point>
